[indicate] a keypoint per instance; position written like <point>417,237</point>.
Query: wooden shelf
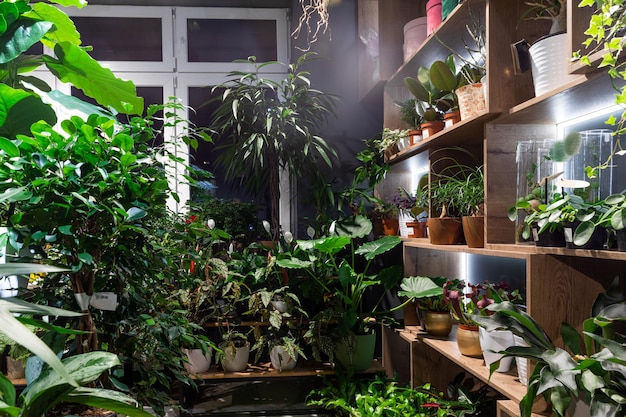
<point>518,251</point>
<point>469,132</point>
<point>505,383</point>
<point>304,369</point>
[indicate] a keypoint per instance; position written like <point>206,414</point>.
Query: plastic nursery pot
<point>555,239</point>
<point>430,128</point>
<point>598,238</point>
<point>621,240</point>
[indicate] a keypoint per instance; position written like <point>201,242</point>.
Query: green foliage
<point>408,113</point>
<point>239,220</point>
<point>22,105</point>
<point>427,292</point>
<point>264,125</point>
<point>594,375</point>
<point>336,265</point>
<point>382,396</point>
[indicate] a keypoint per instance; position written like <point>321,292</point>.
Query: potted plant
<point>433,311</point>
<point>562,377</point>
<point>454,193</point>
<point>264,125</point>
<point>463,304</point>
<point>471,207</point>
<point>234,349</point>
<point>410,116</point>
<point>393,141</point>
<point>341,266</point>
<point>432,102</point>
<point>385,214</point>
<point>549,54</point>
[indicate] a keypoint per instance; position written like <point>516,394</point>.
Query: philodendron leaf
<point>372,249</point>
<point>354,227</point>
<point>76,67</point>
<point>419,287</point>
<point>293,263</point>
<point>331,245</point>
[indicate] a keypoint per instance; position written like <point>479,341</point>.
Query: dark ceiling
<point>198,3</point>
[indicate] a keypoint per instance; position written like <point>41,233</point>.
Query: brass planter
<point>438,323</point>
<point>468,341</point>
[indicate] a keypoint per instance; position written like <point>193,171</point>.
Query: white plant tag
<point>104,301</point>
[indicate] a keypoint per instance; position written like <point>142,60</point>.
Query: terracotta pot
<point>418,229</point>
<point>438,323</point>
<point>468,341</point>
<point>474,231</point>
<point>415,136</point>
<point>445,230</point>
<point>471,100</point>
<point>430,128</point>
<point>391,227</point>
<point>451,118</point>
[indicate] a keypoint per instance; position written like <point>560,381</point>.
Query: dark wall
<point>337,72</point>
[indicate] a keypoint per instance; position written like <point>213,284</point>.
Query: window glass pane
<point>122,38</point>
<point>224,40</point>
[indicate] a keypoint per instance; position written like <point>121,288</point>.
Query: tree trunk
<point>274,195</point>
<point>83,283</point>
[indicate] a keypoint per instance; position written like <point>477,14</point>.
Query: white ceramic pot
<point>549,61</point>
<point>522,363</point>
<point>281,360</point>
<point>495,341</point>
<point>198,361</point>
<point>236,361</point>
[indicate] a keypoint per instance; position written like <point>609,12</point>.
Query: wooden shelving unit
<point>560,283</point>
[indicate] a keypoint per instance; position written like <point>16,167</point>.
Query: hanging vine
<point>309,24</point>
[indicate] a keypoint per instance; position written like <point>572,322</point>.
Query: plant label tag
<point>104,301</point>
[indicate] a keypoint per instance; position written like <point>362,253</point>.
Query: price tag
<point>104,301</point>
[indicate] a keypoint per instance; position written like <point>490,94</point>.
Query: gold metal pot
<point>438,323</point>
<point>468,341</point>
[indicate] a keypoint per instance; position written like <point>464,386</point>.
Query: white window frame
<point>185,13</point>
<point>168,64</point>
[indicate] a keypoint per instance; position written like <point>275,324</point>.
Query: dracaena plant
<point>592,371</point>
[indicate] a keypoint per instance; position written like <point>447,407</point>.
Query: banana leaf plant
<point>64,380</point>
<point>595,375</point>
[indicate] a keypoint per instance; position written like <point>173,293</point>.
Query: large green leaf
<point>329,245</point>
<point>21,334</point>
<point>354,227</point>
<point>49,388</point>
<point>75,66</point>
<point>79,4</point>
<point>442,77</point>
<point>108,400</point>
<point>7,392</point>
<point>293,263</point>
<point>21,36</point>
<point>372,249</point>
<point>8,98</point>
<point>15,194</point>
<point>64,28</point>
<point>419,287</point>
<point>23,114</point>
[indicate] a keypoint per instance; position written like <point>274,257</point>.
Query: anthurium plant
<point>592,371</point>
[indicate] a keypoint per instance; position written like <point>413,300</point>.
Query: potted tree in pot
<point>264,126</point>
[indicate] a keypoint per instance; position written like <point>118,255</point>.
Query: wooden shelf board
<point>586,94</point>
<point>506,383</point>
<point>508,408</point>
<point>519,251</point>
<point>466,131</point>
<point>265,370</point>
